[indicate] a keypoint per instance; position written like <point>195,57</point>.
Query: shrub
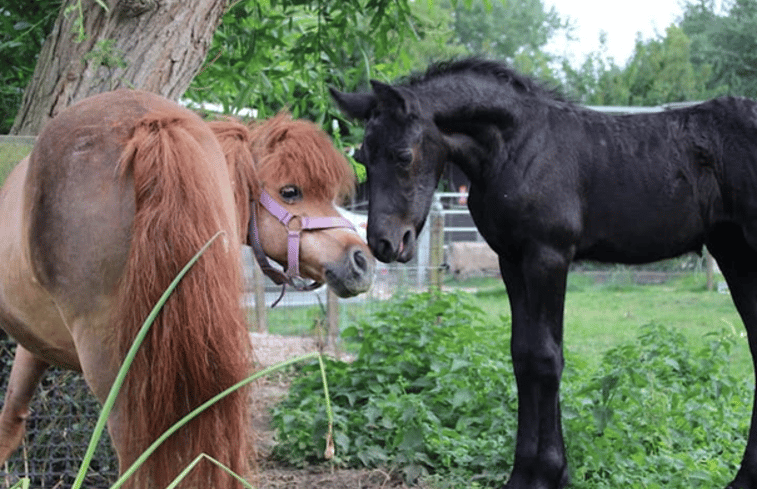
<point>432,393</point>
<point>657,413</point>
<point>431,390</point>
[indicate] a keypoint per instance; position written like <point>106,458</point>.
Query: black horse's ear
<point>354,105</point>
<point>394,98</point>
<point>467,153</point>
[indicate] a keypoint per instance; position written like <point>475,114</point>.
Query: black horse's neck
<point>479,91</point>
<point>478,108</point>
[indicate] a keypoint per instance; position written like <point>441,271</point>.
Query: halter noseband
<point>292,272</point>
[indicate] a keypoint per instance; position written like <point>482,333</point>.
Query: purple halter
<point>292,271</point>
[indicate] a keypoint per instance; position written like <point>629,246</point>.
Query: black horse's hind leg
<point>738,262</point>
<point>536,288</point>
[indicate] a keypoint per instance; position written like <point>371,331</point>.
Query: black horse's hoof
<point>535,483</point>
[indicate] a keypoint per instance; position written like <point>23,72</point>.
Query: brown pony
<point>118,194</point>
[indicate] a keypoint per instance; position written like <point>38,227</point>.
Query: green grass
<point>303,320</point>
<point>10,154</point>
<point>601,316</point>
<point>597,316</point>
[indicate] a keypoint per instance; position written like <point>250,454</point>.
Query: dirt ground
<point>270,350</point>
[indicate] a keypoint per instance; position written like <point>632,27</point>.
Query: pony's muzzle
<point>353,273</point>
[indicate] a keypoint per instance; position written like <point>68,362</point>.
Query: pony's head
<point>300,174</point>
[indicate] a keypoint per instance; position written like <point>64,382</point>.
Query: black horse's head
<point>404,154</point>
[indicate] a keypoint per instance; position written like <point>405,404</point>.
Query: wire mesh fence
<point>63,416</point>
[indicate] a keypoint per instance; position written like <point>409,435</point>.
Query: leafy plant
<point>658,413</point>
<point>432,393</point>
<point>23,27</point>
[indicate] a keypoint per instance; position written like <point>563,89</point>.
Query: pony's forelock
<point>295,151</point>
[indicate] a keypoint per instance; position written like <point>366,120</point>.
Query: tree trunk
<point>153,45</point>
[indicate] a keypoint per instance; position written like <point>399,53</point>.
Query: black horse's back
<point>552,182</point>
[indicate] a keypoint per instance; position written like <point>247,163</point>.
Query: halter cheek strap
<point>292,272</point>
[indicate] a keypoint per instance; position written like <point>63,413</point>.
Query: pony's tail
<point>198,346</point>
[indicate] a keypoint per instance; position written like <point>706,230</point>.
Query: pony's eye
<point>290,193</point>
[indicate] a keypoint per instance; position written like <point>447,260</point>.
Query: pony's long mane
<point>236,144</point>
<point>498,70</point>
<point>298,152</point>
<point>198,345</point>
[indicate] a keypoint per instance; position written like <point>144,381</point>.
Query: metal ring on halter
<point>292,271</point>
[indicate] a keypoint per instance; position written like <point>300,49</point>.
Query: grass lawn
<point>11,152</point>
<point>600,316</point>
<point>597,316</point>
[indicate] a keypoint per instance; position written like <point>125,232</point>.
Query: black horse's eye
<point>404,156</point>
<point>290,193</point>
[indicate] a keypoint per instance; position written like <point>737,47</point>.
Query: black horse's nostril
<point>407,239</point>
<point>384,251</point>
<point>361,263</point>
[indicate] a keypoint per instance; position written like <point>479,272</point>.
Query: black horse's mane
<point>479,66</point>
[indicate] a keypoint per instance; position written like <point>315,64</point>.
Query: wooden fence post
<point>261,313</point>
<point>436,255</point>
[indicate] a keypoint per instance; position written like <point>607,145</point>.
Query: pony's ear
<point>354,105</point>
<point>395,98</point>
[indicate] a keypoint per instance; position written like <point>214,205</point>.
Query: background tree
<point>23,27</point>
<point>502,29</point>
<point>727,40</point>
<point>93,48</point>
<point>660,71</point>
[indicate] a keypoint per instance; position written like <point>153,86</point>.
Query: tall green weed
<point>657,413</point>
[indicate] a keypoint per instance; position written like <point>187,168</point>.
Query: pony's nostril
<point>361,263</point>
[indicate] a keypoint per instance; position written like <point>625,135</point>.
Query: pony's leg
<point>26,373</point>
<point>536,288</point>
<point>99,366</point>
<point>738,262</point>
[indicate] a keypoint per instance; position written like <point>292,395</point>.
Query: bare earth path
<point>270,350</point>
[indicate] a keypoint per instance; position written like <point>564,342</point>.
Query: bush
<point>432,393</point>
<point>431,390</point>
<point>657,413</point>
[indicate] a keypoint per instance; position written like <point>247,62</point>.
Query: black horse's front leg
<point>737,259</point>
<point>536,288</point>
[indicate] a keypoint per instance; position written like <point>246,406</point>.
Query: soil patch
<point>273,349</point>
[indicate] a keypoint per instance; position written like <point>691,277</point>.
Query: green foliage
<point>502,29</point>
<point>431,390</point>
<point>23,27</point>
<point>660,71</point>
<point>432,393</point>
<point>725,41</point>
<point>284,54</point>
<point>657,413</point>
